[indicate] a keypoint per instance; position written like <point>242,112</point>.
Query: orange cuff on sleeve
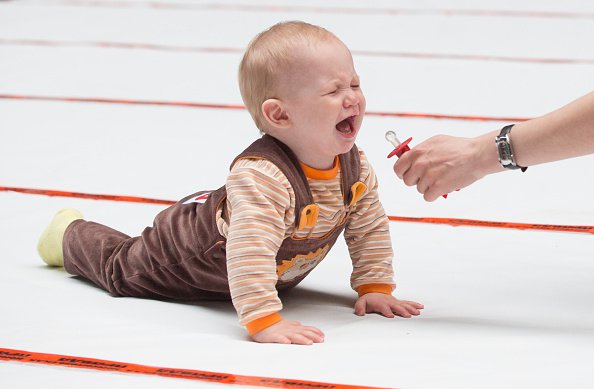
<point>375,288</point>
<point>263,322</point>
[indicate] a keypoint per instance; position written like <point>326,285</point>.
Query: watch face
<point>504,153</point>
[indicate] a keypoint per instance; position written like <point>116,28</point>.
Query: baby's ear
<point>275,114</point>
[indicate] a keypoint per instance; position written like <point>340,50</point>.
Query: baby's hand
<point>287,332</point>
<point>386,305</point>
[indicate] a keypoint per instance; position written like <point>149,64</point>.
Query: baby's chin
<point>346,144</point>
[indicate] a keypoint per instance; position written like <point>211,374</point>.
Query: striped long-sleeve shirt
<point>260,214</point>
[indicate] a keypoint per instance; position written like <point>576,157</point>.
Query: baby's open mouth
<point>346,126</point>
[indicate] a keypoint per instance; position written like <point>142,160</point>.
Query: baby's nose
<point>351,99</point>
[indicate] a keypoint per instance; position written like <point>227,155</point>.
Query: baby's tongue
<point>344,127</point>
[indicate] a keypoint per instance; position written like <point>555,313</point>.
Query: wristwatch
<point>506,151</point>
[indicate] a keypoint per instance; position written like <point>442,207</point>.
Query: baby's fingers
<point>315,330</point>
<point>387,311</point>
<point>407,308</point>
<point>400,310</point>
<point>413,304</point>
<point>277,338</point>
<point>316,337</point>
<point>413,308</point>
<point>360,307</point>
<point>300,339</point>
<point>306,335</point>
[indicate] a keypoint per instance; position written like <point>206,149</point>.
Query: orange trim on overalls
<point>309,216</point>
<point>357,191</point>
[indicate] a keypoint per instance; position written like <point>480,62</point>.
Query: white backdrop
<point>504,308</point>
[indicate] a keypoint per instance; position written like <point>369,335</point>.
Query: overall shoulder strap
<point>278,153</point>
<point>350,171</point>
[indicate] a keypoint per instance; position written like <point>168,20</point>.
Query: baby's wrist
<point>261,323</point>
<point>375,288</point>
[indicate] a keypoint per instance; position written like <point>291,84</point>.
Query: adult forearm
<point>444,163</point>
<point>565,133</point>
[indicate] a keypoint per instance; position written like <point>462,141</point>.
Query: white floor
<point>504,308</point>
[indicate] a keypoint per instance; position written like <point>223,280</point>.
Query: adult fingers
<point>423,184</point>
<point>418,168</point>
<point>411,177</point>
<point>402,165</point>
<point>432,193</point>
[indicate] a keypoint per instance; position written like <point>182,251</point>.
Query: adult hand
<point>443,164</point>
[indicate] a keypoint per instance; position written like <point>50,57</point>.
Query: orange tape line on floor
<point>413,115</point>
<point>90,196</point>
<point>278,8</point>
<point>227,50</point>
<point>189,374</point>
<point>431,220</point>
<point>492,224</point>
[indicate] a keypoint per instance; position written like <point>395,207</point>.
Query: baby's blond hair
<point>267,57</point>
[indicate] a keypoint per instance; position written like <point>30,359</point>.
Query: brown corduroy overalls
<point>182,256</point>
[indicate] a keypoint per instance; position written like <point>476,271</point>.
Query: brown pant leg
<point>162,263</point>
<point>104,256</point>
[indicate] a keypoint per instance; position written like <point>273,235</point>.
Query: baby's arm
<point>259,197</point>
<point>370,245</point>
